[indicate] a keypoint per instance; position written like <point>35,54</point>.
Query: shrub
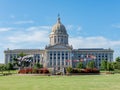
<point>59,73</point>
<point>95,70</point>
<point>25,71</point>
<point>69,69</point>
<point>75,70</point>
<point>22,71</point>
<point>44,70</point>
<point>88,70</point>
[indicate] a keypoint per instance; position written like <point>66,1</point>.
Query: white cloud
<point>40,28</point>
<point>79,28</point>
<point>5,29</point>
<point>69,27</point>
<point>96,42</point>
<point>74,30</point>
<point>18,22</point>
<point>74,27</point>
<point>31,34</point>
<point>36,36</point>
<point>11,46</point>
<point>93,42</point>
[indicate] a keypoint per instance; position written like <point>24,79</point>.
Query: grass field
<point>81,82</point>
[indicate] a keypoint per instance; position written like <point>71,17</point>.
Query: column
<point>53,59</point>
<point>48,59</point>
<point>64,59</point>
<point>56,60</point>
<point>7,58</point>
<point>71,57</point>
<point>36,58</point>
<point>68,63</point>
<point>61,59</point>
<point>56,39</point>
<point>109,57</point>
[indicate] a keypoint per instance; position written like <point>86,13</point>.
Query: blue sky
<point>89,23</point>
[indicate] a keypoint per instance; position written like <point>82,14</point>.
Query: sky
<point>26,24</point>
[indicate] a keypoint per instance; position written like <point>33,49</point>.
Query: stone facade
<point>37,54</point>
<point>59,54</point>
<point>96,54</point>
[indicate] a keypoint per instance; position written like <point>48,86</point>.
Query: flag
<point>67,60</point>
<point>87,56</point>
<point>76,60</point>
<point>85,59</point>
<point>91,57</point>
<point>81,60</point>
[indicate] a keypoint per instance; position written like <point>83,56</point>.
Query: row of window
<point>59,39</point>
<point>58,58</point>
<point>58,52</point>
<point>87,56</point>
<point>95,54</point>
<point>16,56</point>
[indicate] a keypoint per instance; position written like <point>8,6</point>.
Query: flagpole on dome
<point>58,18</point>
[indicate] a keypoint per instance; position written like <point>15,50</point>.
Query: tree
<point>69,69</point>
<point>110,66</point>
<point>117,63</point>
<point>38,65</point>
<point>103,65</point>
<point>79,65</point>
<point>91,64</point>
<point>21,54</point>
<point>15,62</point>
<point>2,68</point>
<point>9,67</point>
<point>118,59</point>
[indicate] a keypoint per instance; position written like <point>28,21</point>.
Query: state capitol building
<point>59,53</point>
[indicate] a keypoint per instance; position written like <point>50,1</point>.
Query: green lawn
<point>81,82</point>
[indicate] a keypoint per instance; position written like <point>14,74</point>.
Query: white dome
<point>58,28</point>
<point>59,34</point>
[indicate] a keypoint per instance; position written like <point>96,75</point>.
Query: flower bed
<point>35,71</point>
<point>87,70</point>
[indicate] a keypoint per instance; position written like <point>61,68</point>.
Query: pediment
<point>59,46</point>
